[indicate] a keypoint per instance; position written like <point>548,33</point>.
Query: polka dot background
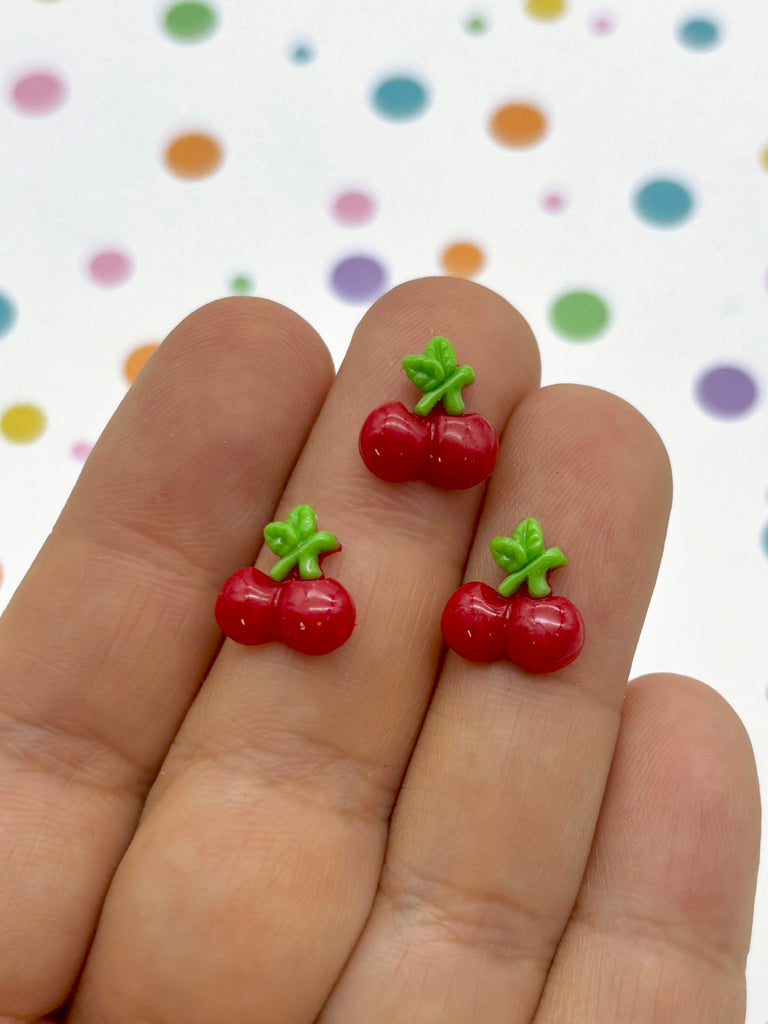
<point>590,161</point>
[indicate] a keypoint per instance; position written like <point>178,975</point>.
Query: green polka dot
<point>190,22</point>
<point>476,25</point>
<point>242,284</point>
<point>579,316</point>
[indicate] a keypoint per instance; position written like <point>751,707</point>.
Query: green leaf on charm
<point>281,537</point>
<point>436,374</point>
<point>424,372</point>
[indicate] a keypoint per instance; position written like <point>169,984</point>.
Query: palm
<point>373,835</point>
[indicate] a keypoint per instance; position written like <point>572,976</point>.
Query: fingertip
<point>254,331</point>
<point>485,329</point>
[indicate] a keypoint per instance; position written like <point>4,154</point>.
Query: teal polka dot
<point>302,54</point>
<point>7,314</point>
<point>400,99</point>
<point>764,540</point>
<point>663,202</point>
<point>699,34</point>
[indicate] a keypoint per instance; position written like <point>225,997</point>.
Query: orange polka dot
<point>136,360</point>
<point>518,125</point>
<point>194,155</point>
<point>462,259</point>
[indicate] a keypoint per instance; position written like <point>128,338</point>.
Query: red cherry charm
<point>539,632</point>
<point>311,614</point>
<point>446,447</point>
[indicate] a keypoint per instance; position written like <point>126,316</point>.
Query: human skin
<point>195,832</point>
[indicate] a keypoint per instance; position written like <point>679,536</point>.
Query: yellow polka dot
<point>23,423</point>
<point>462,259</point>
<point>136,360</point>
<point>545,10</point>
<point>764,158</point>
<point>518,125</point>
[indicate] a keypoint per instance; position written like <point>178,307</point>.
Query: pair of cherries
<point>451,449</point>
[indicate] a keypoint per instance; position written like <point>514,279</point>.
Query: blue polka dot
<point>7,313</point>
<point>699,34</point>
<point>400,99</point>
<point>663,202</point>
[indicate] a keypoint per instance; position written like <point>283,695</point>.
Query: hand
<point>207,834</point>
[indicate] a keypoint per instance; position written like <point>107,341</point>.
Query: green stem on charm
<point>523,556</point>
<point>449,392</point>
<point>536,574</point>
<point>298,543</point>
<point>306,557</point>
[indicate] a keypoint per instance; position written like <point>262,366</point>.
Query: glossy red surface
<point>246,608</point>
<point>474,623</point>
<point>451,452</point>
<point>311,616</point>
<point>462,451</point>
<point>539,634</point>
<point>316,616</point>
<point>393,443</point>
<point>545,633</point>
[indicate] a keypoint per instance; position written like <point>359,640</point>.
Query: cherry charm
<point>450,449</point>
<point>295,604</point>
<point>538,631</point>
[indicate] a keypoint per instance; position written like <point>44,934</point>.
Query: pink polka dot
<point>110,268</point>
<point>80,450</point>
<point>554,201</point>
<point>603,24</point>
<point>352,208</point>
<point>39,93</point>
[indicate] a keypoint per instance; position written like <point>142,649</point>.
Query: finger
<point>262,842</point>
<point>662,925</point>
<point>108,637</point>
<point>493,825</point>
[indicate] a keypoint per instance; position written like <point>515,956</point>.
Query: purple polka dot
<point>80,450</point>
<point>726,391</point>
<point>39,93</point>
<point>110,268</point>
<point>358,278</point>
<point>353,208</point>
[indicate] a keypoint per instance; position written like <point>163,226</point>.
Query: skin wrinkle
<point>302,765</point>
<point>93,767</point>
<point>483,921</point>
